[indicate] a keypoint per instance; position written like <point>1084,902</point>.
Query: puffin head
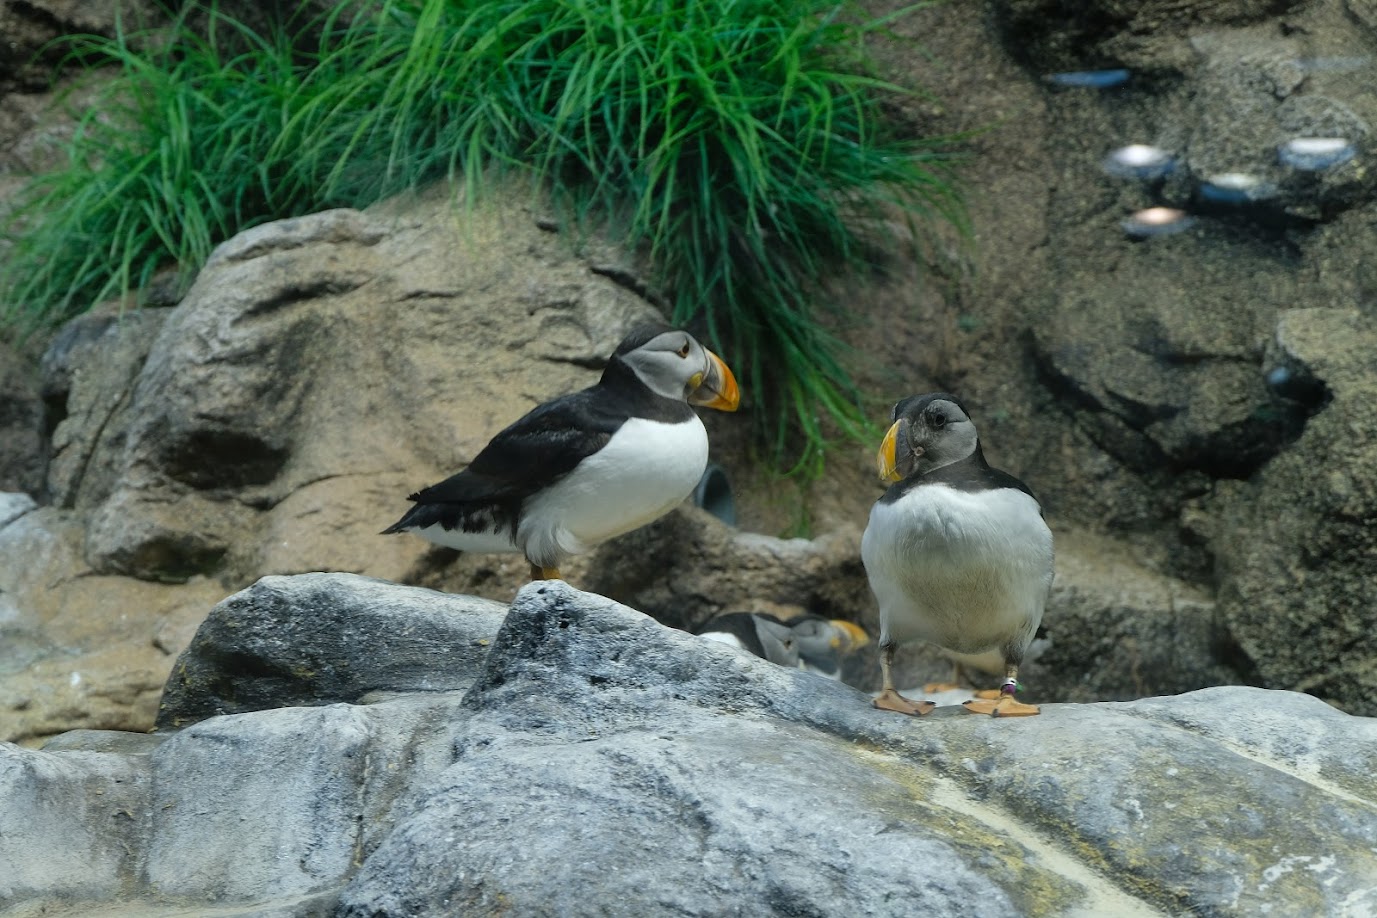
<point>818,635</point>
<point>929,431</point>
<point>671,362</point>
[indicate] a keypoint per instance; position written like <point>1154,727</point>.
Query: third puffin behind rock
<point>957,552</point>
<point>806,641</point>
<point>585,467</point>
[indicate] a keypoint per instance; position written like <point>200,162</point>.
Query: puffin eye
<point>683,351</point>
<point>939,420</point>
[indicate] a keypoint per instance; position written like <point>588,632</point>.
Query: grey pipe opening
<point>714,494</point>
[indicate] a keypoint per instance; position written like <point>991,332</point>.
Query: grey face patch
<point>778,642</point>
<point>668,362</point>
<point>936,431</point>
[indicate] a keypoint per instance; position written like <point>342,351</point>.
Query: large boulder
<point>601,763</point>
<point>323,638</point>
<point>1298,543</point>
<point>321,368</point>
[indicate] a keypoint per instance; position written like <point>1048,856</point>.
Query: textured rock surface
<point>89,371</point>
<point>1298,543</point>
<point>85,803</point>
<point>322,638</point>
<point>603,764</point>
<point>331,361</point>
<point>1115,630</point>
<point>1065,35</point>
<point>1127,381</point>
<point>30,27</point>
<point>23,446</point>
<point>79,649</point>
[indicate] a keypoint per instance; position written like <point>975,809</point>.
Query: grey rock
<point>594,680</point>
<point>1169,377</point>
<point>78,649</point>
<point>1297,550</point>
<point>304,842</point>
<point>253,816</point>
<point>1063,35</point>
<point>115,741</point>
<point>604,764</point>
<point>30,30</point>
<point>307,382</point>
<point>23,446</point>
<point>1252,96</point>
<point>1155,348</point>
<point>275,804</point>
<point>1365,11</point>
<point>323,638</point>
<point>825,838</point>
<point>1117,630</point>
<point>13,505</point>
<point>84,809</point>
<point>688,566</point>
<point>89,372</point>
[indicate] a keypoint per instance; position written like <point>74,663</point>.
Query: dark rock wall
<point>1154,388</point>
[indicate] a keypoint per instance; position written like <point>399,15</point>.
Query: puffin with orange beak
<point>957,552</point>
<point>808,642</point>
<point>588,466</point>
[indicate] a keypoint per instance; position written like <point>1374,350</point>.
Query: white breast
<point>968,571</point>
<point>644,471</point>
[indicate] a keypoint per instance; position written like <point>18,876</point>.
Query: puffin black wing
<point>532,453</point>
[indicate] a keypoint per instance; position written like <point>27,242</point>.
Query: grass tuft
<point>739,142</point>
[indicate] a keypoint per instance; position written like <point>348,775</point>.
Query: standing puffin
<point>957,552</point>
<point>588,466</point>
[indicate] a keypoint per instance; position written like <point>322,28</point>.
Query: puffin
<point>808,642</point>
<point>957,552</point>
<point>991,662</point>
<point>588,466</point>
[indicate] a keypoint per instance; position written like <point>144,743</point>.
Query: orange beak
<point>718,387</point>
<point>886,461</point>
<point>852,637</point>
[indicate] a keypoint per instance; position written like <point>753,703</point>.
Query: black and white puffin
<point>989,663</point>
<point>957,553</point>
<point>808,642</point>
<point>588,466</point>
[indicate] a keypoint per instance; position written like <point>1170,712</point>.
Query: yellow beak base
<point>719,389</point>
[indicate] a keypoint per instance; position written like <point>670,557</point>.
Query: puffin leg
<point>544,573</point>
<point>889,698</point>
<point>990,694</point>
<point>958,680</point>
<point>1006,706</point>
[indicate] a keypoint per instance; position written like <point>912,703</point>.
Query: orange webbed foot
<point>1006,706</point>
<point>890,700</point>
